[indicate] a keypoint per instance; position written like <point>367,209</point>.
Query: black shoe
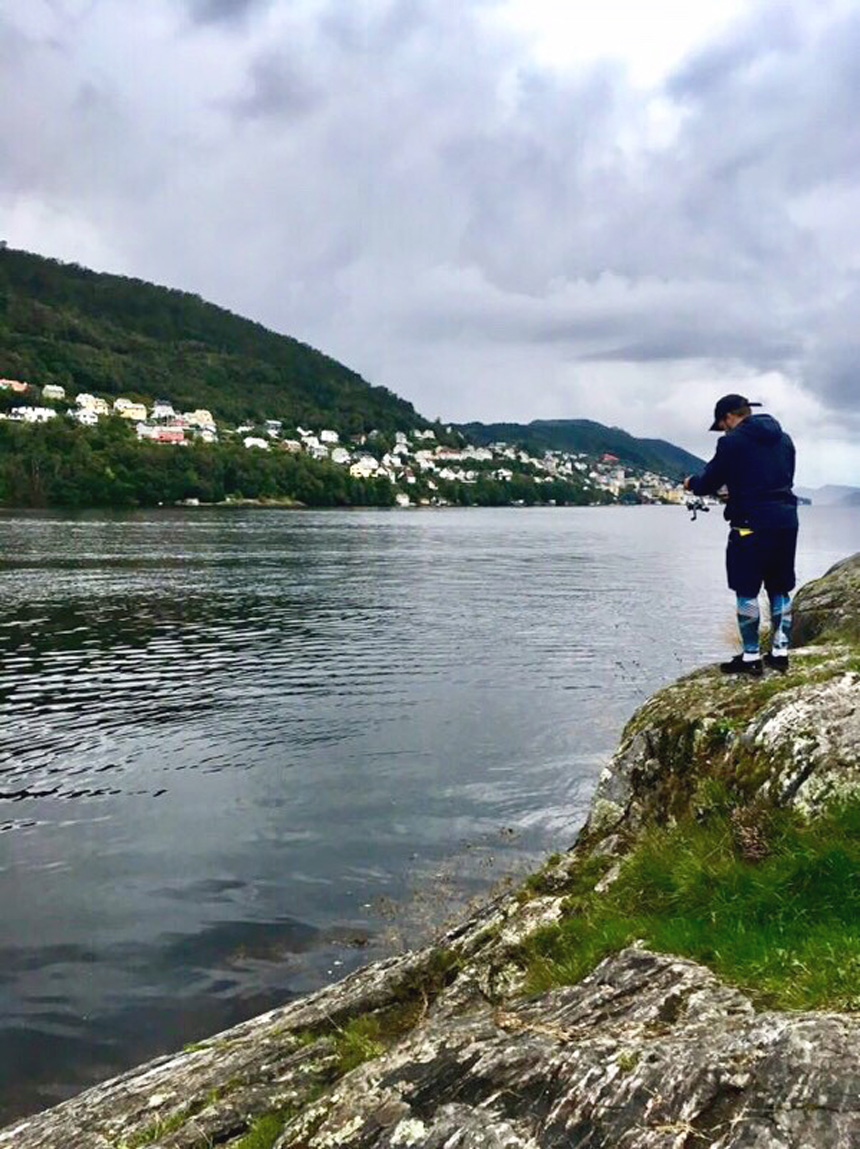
<point>776,662</point>
<point>740,665</point>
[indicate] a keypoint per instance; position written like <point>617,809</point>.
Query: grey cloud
<point>373,29</point>
<point>223,11</point>
<point>769,32</point>
<point>677,346</point>
<point>832,361</point>
<point>277,86</point>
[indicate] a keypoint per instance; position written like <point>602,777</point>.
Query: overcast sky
<point>500,209</point>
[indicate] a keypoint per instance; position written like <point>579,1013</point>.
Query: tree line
<point>60,464</point>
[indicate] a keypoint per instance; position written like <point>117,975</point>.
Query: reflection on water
<point>226,737</point>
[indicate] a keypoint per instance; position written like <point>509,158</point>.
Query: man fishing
<point>754,460</point>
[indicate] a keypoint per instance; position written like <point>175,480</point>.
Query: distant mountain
<point>589,437</point>
<point>60,323</point>
<point>830,495</point>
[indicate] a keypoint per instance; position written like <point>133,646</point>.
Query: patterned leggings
<point>780,621</point>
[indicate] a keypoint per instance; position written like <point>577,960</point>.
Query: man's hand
<point>687,482</point>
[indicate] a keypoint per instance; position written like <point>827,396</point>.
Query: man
<point>754,460</point>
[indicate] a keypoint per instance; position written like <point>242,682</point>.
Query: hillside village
<point>411,458</point>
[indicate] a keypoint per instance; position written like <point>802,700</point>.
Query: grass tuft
<point>769,903</point>
<point>156,1130</point>
<point>359,1040</point>
<point>264,1132</point>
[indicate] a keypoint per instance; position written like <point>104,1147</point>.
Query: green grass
<point>156,1131</point>
<point>264,1132</point>
<point>359,1040</point>
<point>768,902</point>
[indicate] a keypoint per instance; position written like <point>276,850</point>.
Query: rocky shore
<point>542,1021</point>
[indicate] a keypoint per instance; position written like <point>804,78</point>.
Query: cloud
<point>278,86</point>
<point>407,187</point>
<point>223,11</point>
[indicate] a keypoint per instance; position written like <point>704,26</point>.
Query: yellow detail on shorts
<point>744,531</point>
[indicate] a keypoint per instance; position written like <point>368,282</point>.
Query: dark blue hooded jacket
<point>756,462</point>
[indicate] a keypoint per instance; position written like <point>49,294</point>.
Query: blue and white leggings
<point>780,621</point>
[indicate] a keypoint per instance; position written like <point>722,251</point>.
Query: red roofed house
<point>169,435</point>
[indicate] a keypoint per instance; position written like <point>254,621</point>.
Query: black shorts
<point>763,555</point>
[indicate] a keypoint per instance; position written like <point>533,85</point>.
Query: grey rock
<point>804,739</point>
<point>649,1051</point>
<point>809,737</point>
<point>829,606</point>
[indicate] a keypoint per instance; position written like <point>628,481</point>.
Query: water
<point>229,740</point>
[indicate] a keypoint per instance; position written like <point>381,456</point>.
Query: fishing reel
<point>694,506</point>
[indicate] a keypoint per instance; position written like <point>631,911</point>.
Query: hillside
<point>831,495</point>
<point>592,438</point>
<point>107,334</point>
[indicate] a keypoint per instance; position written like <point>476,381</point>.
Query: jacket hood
<point>762,428</point>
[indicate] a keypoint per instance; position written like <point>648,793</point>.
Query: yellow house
<point>199,418</point>
<point>135,411</point>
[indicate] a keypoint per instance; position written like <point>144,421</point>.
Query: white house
<point>53,391</point>
<point>86,416</point>
<point>341,456</point>
<point>330,437</point>
<point>254,441</point>
<point>402,500</point>
<point>33,414</point>
<point>364,467</point>
<point>162,409</point>
<point>401,437</point>
<point>273,427</point>
<point>425,434</point>
<point>291,445</point>
<point>88,402</point>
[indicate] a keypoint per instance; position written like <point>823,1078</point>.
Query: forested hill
<point>107,334</point>
<point>592,438</point>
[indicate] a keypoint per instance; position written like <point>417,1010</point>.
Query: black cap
<point>727,404</point>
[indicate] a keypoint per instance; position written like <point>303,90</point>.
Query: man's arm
<point>714,475</point>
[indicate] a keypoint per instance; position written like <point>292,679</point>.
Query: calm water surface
<point>227,739</point>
